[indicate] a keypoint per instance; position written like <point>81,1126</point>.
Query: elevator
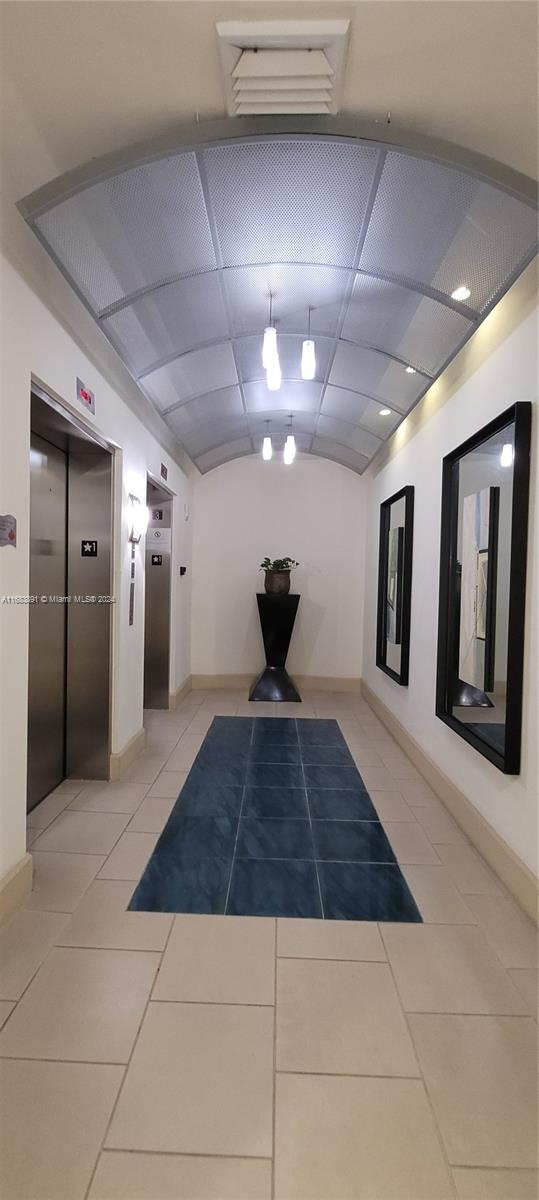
<point>157,597</point>
<point>70,608</point>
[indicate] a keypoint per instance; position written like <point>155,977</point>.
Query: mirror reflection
<point>394,584</point>
<point>481,586</point>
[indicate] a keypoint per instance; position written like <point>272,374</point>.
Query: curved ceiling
<point>175,249</point>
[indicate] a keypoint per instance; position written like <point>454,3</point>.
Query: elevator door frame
<point>154,482</point>
<point>84,433</point>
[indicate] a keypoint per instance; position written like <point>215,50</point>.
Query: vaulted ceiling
<point>175,245</point>
<point>176,249</point>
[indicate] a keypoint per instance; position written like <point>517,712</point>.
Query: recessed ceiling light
<point>461,293</point>
<point>385,412</point>
<point>410,370</point>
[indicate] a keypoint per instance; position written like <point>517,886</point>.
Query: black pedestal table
<point>277,616</point>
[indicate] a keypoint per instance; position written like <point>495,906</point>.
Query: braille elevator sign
<point>88,549</point>
<point>157,560</point>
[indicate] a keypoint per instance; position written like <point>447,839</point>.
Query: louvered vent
<point>283,66</point>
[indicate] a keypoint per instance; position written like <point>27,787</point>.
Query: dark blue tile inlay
<point>319,733</point>
<point>275,802</point>
<point>341,804</point>
<point>274,820</point>
<point>352,841</point>
<point>200,798</point>
<point>198,837</point>
<point>274,775</point>
<point>266,888</point>
<point>274,838</point>
<point>274,752</point>
<point>276,734</point>
<point>187,886</point>
<point>332,777</point>
<point>366,892</point>
<point>219,769</point>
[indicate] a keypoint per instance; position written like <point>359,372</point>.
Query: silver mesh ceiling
<point>176,249</point>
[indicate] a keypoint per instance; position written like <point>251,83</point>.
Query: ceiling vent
<point>283,66</point>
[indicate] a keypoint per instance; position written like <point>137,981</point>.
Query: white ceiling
<point>93,77</point>
<point>96,76</point>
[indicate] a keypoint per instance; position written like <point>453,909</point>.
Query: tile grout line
<point>135,1043</point>
<point>190,1154</point>
<point>421,1073</point>
<point>244,789</point>
<point>310,820</point>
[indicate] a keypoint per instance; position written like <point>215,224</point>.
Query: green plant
<point>278,564</point>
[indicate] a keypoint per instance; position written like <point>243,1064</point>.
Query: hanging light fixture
<point>270,354</point>
<point>269,345</point>
<point>274,376</point>
<point>289,452</point>
<point>267,448</point>
<point>308,355</point>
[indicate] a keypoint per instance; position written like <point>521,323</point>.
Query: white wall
<point>312,511</point>
<point>34,341</point>
<point>508,374</point>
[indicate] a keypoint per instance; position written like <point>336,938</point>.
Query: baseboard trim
<point>199,682</point>
<point>176,697</point>
<point>119,762</point>
<point>328,683</point>
<point>514,874</point>
<point>321,683</point>
<point>16,885</point>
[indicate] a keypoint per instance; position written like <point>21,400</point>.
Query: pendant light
<point>269,345</point>
<point>289,452</point>
<point>273,376</point>
<point>308,355</point>
<point>267,448</point>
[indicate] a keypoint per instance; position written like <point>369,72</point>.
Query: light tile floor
<point>150,1057</point>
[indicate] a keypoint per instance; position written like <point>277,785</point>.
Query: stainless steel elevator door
<point>157,600</point>
<point>47,620</point>
<point>88,625</point>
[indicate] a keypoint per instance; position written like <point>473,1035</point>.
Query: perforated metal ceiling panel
<point>176,248</point>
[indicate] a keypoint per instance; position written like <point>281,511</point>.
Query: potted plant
<point>277,575</point>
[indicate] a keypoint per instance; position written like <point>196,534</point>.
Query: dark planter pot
<point>277,583</point>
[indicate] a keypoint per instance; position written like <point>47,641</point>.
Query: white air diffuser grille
<point>282,66</point>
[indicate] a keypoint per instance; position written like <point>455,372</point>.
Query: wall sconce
<point>138,519</point>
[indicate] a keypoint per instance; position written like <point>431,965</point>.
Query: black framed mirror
<point>483,550</point>
<point>395,584</point>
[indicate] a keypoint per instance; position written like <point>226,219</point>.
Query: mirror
<point>482,587</point>
<point>395,584</point>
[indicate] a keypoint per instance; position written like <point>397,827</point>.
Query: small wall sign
<point>157,560</point>
<point>159,539</point>
<point>164,471</point>
<point>85,396</point>
<point>157,514</point>
<point>88,548</point>
<point>8,530</point>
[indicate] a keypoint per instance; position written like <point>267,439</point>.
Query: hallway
<point>149,1056</point>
